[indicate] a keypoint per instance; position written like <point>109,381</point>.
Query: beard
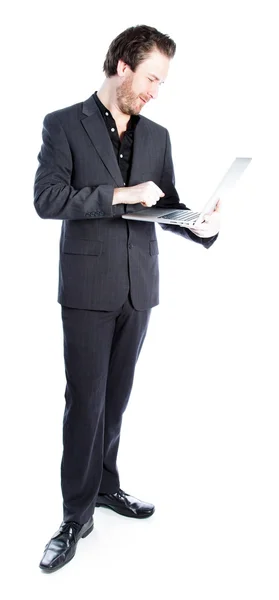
<point>127,100</point>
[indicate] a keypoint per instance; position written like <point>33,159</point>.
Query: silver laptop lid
<point>229,180</point>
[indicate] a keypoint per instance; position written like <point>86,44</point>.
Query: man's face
<point>142,85</point>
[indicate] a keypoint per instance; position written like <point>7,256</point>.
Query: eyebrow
<point>155,77</point>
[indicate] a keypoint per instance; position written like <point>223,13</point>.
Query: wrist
<point>119,196</point>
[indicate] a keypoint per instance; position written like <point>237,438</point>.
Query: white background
<point>200,435</point>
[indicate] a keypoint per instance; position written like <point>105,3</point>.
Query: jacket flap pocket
<point>153,247</point>
<point>77,246</point>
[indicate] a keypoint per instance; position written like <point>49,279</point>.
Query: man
<point>99,159</point>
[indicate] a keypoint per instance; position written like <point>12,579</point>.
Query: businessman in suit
<point>100,159</point>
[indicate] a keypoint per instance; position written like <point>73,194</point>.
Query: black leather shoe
<point>126,505</point>
<point>62,546</point>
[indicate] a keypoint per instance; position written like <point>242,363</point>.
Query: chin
<point>127,110</point>
<point>136,109</point>
<point>132,111</point>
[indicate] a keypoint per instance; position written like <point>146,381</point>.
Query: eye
<point>150,79</point>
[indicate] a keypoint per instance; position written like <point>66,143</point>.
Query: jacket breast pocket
<point>153,247</point>
<point>78,246</point>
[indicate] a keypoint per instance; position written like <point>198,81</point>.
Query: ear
<point>122,68</point>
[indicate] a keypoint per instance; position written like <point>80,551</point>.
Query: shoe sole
<point>123,512</point>
<point>51,570</point>
<point>87,532</point>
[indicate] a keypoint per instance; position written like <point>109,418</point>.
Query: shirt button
<point>106,114</point>
<point>124,183</point>
<point>121,155</point>
<point>112,129</point>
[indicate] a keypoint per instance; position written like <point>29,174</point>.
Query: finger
<point>200,227</point>
<point>218,206</point>
<point>200,230</point>
<point>161,193</point>
<point>201,220</point>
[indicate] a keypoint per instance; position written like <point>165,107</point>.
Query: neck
<point>107,95</point>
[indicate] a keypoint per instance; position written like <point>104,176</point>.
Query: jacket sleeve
<point>171,200</point>
<point>54,196</point>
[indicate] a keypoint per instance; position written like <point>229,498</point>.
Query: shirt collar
<point>105,112</point>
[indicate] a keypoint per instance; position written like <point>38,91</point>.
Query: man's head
<point>138,59</point>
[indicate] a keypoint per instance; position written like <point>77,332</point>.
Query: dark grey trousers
<point>100,352</point>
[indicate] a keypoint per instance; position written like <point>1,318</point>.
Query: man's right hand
<point>147,193</point>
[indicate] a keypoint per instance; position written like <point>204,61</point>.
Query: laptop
<point>189,218</point>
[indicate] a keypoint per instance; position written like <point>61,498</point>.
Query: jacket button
<point>130,246</point>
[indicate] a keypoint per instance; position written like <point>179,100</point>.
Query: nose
<point>154,90</point>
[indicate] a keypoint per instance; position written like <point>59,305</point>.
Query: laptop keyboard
<point>181,215</point>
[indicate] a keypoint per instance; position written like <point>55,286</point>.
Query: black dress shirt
<point>123,148</point>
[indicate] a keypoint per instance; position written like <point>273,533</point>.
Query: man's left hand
<point>210,224</point>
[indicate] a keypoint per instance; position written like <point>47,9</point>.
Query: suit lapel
<point>95,127</point>
<point>141,157</point>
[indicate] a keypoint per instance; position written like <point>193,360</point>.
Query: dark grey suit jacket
<point>102,256</point>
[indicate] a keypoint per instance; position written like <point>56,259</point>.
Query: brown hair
<point>133,45</point>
